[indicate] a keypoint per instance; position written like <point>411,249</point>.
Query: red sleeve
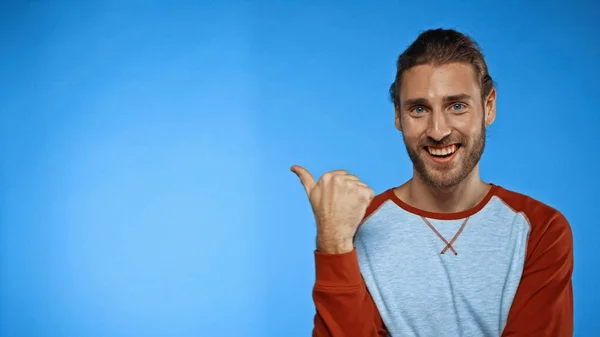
<point>543,304</point>
<point>344,306</point>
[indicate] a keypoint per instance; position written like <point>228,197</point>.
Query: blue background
<point>145,150</point>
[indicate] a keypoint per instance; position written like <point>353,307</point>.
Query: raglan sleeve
<point>543,303</point>
<point>344,307</point>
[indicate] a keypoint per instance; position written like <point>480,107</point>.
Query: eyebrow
<point>447,99</point>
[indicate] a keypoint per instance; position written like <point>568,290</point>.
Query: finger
<point>306,178</point>
<point>336,172</point>
<point>332,174</point>
<point>367,190</point>
<point>351,177</point>
<point>360,183</point>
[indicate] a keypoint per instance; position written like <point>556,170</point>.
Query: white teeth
<point>443,151</point>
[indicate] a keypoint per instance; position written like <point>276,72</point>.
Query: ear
<point>397,120</point>
<point>490,107</point>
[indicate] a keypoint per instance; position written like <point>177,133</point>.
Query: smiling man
<point>444,254</point>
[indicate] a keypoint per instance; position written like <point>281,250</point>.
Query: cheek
<point>410,140</point>
<point>414,128</point>
<point>464,122</point>
<point>470,127</point>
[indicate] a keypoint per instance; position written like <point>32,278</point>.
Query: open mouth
<point>442,153</point>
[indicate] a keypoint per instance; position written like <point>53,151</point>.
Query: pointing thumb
<point>306,178</point>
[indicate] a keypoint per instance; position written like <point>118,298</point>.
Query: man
<point>444,254</point>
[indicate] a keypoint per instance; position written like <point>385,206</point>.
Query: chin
<point>444,182</point>
<point>444,176</point>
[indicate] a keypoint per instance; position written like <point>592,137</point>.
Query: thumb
<point>306,178</point>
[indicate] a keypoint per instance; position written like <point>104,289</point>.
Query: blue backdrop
<point>145,150</point>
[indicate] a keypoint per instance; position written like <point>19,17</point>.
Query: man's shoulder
<point>539,214</point>
<point>378,201</point>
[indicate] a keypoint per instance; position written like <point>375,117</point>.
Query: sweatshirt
<point>501,268</point>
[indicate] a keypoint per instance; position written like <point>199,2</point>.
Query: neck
<point>467,194</point>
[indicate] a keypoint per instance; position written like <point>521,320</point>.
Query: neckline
<point>443,216</point>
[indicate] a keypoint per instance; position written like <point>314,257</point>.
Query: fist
<point>339,201</point>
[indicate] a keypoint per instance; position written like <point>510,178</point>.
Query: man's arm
<point>543,304</point>
<point>344,306</point>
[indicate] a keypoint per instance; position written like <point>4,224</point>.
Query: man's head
<point>444,98</point>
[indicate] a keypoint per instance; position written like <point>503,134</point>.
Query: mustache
<point>440,143</point>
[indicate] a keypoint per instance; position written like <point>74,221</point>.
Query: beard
<point>443,176</point>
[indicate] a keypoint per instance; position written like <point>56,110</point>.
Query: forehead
<point>436,82</point>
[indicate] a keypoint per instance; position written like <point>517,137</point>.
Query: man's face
<point>443,119</point>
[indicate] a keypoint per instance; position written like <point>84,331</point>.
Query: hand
<point>339,201</point>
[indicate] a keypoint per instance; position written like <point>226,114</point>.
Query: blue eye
<point>418,109</point>
<point>458,106</point>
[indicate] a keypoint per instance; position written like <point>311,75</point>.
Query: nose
<point>438,128</point>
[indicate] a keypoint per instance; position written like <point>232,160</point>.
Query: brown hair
<point>442,46</point>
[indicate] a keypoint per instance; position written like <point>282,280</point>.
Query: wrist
<point>334,245</point>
